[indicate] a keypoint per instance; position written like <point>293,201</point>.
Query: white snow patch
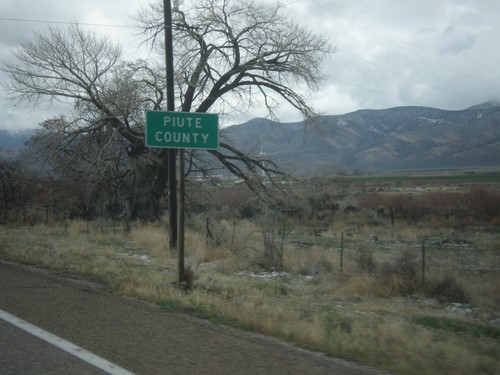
<point>459,308</point>
<point>269,275</point>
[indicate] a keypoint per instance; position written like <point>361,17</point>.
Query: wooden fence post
<point>423,262</point>
<point>341,252</point>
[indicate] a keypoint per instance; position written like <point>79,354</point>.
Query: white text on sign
<point>177,137</point>
<point>180,122</point>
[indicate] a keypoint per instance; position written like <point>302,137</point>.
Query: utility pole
<point>172,152</point>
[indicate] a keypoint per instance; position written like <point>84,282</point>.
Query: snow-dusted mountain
<point>389,139</point>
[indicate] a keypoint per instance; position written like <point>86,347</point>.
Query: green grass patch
<point>203,313</point>
<point>216,318</point>
<point>107,242</point>
<point>458,326</point>
<point>335,321</point>
<point>272,288</point>
<point>450,178</point>
<point>170,305</point>
<point>309,240</point>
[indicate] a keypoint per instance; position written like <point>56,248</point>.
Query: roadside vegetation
<point>401,276</point>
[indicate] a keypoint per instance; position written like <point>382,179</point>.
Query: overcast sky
<point>438,53</point>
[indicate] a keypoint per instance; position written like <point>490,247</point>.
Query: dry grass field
<point>400,276</point>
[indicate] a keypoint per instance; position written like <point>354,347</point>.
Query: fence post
<point>233,235</point>
<point>341,252</point>
<point>423,262</point>
<point>208,232</point>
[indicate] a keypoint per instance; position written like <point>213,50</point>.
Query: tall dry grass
<point>363,311</point>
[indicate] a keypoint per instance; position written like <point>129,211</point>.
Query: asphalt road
<point>134,335</point>
<point>22,353</point>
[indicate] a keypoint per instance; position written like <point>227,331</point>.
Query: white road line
<point>67,346</point>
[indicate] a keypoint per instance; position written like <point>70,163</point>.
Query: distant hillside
<point>12,143</point>
<point>15,140</point>
<point>378,140</point>
<point>367,140</point>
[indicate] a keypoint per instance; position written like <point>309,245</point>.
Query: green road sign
<point>182,130</point>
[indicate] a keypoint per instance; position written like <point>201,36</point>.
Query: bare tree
<point>228,54</point>
<point>18,186</point>
<point>94,171</point>
<point>239,53</point>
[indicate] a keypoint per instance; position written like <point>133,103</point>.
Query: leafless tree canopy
<point>227,53</point>
<point>238,53</point>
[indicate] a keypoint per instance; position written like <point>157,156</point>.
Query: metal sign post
<point>180,131</point>
<point>180,222</point>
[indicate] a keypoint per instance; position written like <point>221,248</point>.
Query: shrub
<point>447,290</point>
<point>249,209</point>
<point>219,232</point>
<point>365,259</point>
<point>323,205</point>
<point>480,203</point>
<point>484,202</point>
<point>400,276</point>
<point>273,250</point>
<point>458,326</point>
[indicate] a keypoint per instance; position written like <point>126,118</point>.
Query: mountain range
<point>14,140</point>
<point>401,138</point>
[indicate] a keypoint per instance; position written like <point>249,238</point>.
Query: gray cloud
<point>454,41</point>
<point>391,52</point>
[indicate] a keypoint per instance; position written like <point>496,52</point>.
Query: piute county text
<point>172,123</point>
